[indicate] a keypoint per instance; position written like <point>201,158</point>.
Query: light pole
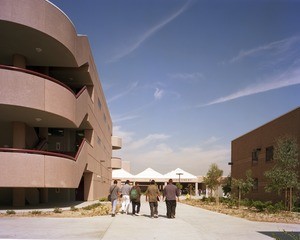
<point>179,174</point>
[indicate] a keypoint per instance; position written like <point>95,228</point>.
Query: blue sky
<point>183,78</point>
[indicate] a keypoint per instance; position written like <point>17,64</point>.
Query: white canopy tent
<point>149,174</point>
<point>121,174</point>
<point>178,175</point>
<point>181,175</point>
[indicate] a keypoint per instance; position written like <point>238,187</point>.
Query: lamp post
<point>179,174</point>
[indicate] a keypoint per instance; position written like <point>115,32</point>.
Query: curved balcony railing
<point>12,68</point>
<point>47,153</point>
<point>30,151</point>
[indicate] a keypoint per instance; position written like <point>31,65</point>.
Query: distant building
<point>56,131</point>
<point>254,151</point>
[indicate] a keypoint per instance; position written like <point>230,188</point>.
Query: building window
<point>255,184</point>
<point>269,153</point>
<point>99,104</point>
<point>255,156</point>
<point>57,132</point>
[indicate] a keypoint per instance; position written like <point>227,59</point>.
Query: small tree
<point>179,186</point>
<point>284,175</point>
<point>226,187</point>
<point>243,186</point>
<point>213,180</point>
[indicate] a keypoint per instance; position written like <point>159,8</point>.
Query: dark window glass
<point>269,153</point>
<point>255,184</point>
<point>99,104</point>
<point>254,156</point>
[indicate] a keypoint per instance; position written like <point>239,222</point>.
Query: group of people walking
<point>132,194</point>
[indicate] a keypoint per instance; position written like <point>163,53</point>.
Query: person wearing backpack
<point>135,198</point>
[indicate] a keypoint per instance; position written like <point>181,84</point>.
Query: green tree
<point>243,186</point>
<point>226,187</point>
<point>284,176</point>
<point>213,180</point>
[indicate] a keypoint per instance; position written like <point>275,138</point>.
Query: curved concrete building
<point>56,131</point>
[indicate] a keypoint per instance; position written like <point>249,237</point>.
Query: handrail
<point>36,74</point>
<point>30,151</point>
<point>54,154</point>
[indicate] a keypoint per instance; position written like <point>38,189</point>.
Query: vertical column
<point>88,186</point>
<point>196,189</point>
<point>44,195</point>
<point>18,197</point>
<point>19,134</point>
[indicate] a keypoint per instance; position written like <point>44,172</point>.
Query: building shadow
<point>282,235</point>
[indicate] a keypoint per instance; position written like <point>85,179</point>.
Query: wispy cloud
<point>276,47</point>
<point>124,93</point>
<point>125,135</point>
<point>124,118</point>
<point>187,76</point>
<point>149,33</point>
<point>147,140</point>
<point>158,94</point>
<point>289,78</point>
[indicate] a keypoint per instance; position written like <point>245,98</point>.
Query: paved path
<point>190,223</point>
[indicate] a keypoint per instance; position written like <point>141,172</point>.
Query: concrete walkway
<point>190,223</point>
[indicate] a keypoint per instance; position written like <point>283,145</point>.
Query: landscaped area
<point>96,209</point>
<point>255,211</point>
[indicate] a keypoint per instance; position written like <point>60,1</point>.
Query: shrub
<point>230,202</point>
<point>93,206</point>
<point>57,210</point>
<point>208,199</point>
<point>247,203</point>
<point>259,206</point>
<point>35,212</point>
<point>10,212</point>
<point>73,208</point>
<point>274,208</point>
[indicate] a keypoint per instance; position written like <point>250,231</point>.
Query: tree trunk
<point>217,197</point>
<point>285,199</point>
<point>240,196</point>
<point>291,199</point>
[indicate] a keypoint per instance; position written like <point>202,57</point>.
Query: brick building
<point>254,150</point>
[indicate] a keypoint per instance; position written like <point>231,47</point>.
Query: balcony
<point>116,163</point>
<point>116,142</point>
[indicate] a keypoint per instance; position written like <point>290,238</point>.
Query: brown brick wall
<point>261,138</point>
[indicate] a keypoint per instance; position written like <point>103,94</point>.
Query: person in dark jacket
<point>152,195</point>
<point>170,193</point>
<point>135,198</point>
